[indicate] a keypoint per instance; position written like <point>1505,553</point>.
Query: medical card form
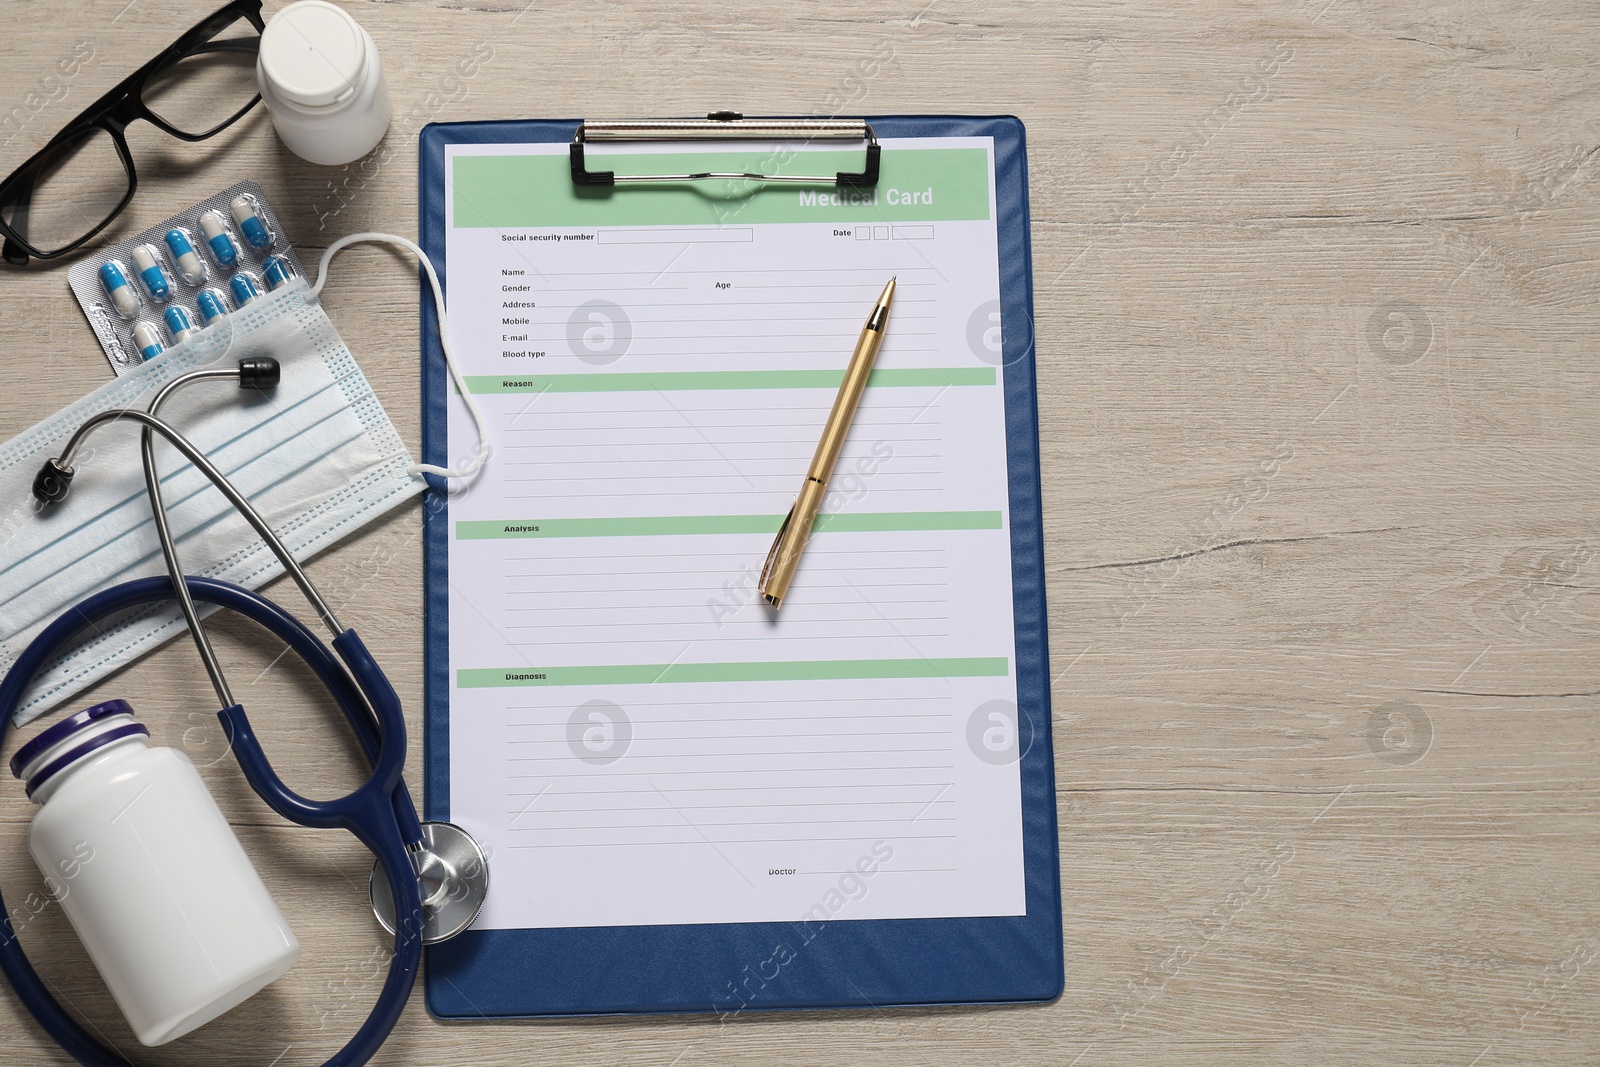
<point>635,738</point>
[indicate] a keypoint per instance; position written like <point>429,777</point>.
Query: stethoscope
<point>428,879</point>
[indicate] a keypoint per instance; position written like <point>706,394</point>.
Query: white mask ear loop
<point>481,455</point>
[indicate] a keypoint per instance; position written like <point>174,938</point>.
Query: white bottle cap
<point>313,54</point>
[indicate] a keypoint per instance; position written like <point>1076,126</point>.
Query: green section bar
<point>657,525</point>
<point>669,381</point>
<point>914,185</point>
<point>796,671</point>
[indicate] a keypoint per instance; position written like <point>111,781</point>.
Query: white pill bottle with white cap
<point>150,874</point>
<point>322,82</point>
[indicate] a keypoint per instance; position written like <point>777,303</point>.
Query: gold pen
<point>784,556</point>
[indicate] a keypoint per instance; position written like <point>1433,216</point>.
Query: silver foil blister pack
<point>155,290</point>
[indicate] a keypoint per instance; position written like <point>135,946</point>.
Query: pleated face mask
<point>317,455</point>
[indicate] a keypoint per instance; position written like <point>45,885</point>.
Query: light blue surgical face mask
<point>318,456</point>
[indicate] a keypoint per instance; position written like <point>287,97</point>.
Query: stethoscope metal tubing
<point>368,732</point>
<point>169,547</point>
<point>405,812</point>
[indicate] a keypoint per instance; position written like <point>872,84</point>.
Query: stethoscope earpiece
<point>53,482</point>
<point>258,372</point>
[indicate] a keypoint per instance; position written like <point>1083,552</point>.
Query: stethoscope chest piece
<point>453,874</point>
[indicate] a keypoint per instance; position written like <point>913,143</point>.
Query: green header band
<point>669,381</point>
<point>679,525</point>
<point>529,191</point>
<point>796,671</point>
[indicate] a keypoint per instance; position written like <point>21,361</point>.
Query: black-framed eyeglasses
<point>74,186</point>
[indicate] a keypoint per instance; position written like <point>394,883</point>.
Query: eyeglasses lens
<point>67,191</point>
<point>203,91</point>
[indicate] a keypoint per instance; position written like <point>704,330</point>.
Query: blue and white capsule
<point>150,272</point>
<point>244,288</point>
<point>123,298</point>
<point>179,324</point>
<point>211,305</point>
<point>251,224</point>
<point>190,267</point>
<point>147,339</point>
<point>218,239</point>
<point>277,271</point>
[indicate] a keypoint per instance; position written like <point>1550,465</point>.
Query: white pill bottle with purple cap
<point>150,874</point>
<point>322,82</point>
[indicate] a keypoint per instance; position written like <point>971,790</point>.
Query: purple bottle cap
<point>82,722</point>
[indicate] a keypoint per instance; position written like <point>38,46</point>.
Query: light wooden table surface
<point>1320,406</point>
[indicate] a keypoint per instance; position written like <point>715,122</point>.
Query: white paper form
<point>635,738</point>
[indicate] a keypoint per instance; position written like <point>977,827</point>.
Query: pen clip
<point>777,543</point>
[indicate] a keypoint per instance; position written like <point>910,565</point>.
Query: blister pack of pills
<point>155,291</point>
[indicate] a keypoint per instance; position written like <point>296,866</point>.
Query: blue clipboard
<point>743,967</point>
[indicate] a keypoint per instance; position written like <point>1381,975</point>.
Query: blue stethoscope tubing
<point>379,813</point>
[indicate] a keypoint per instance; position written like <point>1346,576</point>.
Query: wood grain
<point>1318,399</point>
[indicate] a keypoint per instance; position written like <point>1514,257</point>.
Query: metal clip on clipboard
<point>725,126</point>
